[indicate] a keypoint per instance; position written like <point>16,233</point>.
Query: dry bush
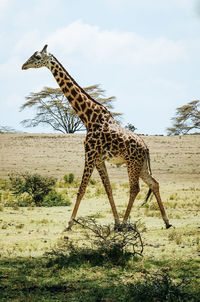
<point>106,236</point>
<point>101,245</point>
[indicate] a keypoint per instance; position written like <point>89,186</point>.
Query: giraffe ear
<point>44,50</point>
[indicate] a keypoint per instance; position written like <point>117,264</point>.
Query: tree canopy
<point>53,109</point>
<point>187,118</point>
<point>131,127</point>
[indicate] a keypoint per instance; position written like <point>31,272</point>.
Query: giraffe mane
<point>82,90</point>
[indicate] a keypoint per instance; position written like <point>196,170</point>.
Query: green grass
<point>70,278</point>
<point>170,258</point>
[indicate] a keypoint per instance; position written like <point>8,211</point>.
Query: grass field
<point>28,234</point>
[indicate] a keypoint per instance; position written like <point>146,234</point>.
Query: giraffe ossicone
<point>106,140</point>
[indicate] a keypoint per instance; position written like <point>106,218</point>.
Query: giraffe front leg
<point>85,179</point>
<point>101,168</point>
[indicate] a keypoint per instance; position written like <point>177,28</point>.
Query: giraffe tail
<point>147,196</point>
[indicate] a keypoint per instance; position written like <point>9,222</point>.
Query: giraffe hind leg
<point>134,188</point>
<point>154,187</point>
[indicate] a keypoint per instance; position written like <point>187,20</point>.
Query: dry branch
<point>127,239</point>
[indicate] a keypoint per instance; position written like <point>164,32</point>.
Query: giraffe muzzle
<point>24,67</point>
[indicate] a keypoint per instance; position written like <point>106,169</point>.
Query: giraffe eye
<point>38,56</point>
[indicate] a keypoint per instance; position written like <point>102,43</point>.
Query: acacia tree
<point>187,118</point>
<point>131,127</point>
<point>53,109</point>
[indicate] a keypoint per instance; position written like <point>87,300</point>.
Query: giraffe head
<point>38,59</point>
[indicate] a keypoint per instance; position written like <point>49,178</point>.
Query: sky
<point>146,53</point>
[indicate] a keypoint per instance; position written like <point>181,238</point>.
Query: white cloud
<point>27,42</point>
<point>10,68</point>
<point>13,99</point>
<point>36,13</point>
<point>151,4</point>
<point>4,5</point>
<point>45,7</point>
<point>116,46</point>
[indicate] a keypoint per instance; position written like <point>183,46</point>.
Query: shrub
<point>35,185</point>
<point>23,200</point>
<point>66,178</point>
<point>92,181</point>
<point>55,199</point>
<point>107,245</point>
<point>160,287</point>
<point>4,184</point>
<point>69,178</point>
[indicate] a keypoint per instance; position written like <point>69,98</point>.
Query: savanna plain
<point>41,262</point>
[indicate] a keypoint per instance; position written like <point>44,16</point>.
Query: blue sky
<point>144,52</point>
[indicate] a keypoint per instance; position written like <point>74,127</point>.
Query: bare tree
<point>7,129</point>
<point>53,109</point>
<point>187,118</point>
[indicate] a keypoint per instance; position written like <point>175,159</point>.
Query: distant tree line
<point>53,110</point>
<point>7,129</point>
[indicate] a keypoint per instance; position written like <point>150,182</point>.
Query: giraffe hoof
<point>118,227</point>
<point>124,227</point>
<point>67,229</point>
<point>168,226</point>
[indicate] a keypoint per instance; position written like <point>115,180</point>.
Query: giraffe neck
<point>92,113</point>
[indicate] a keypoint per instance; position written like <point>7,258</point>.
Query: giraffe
<point>105,140</point>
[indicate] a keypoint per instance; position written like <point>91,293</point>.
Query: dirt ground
<point>172,158</point>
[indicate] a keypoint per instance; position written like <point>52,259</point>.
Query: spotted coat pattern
<point>106,140</point>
